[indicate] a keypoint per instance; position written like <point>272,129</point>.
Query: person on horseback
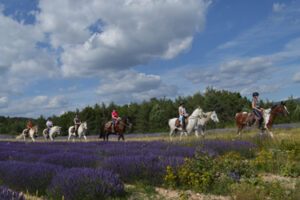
<point>77,123</point>
<point>29,126</point>
<point>114,117</point>
<point>182,114</point>
<point>257,109</point>
<point>49,125</point>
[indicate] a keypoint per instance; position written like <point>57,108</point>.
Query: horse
<point>202,122</point>
<point>269,115</point>
<point>191,125</point>
<point>81,131</point>
<point>32,133</point>
<point>119,129</point>
<point>54,131</point>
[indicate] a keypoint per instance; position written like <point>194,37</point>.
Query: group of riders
<point>77,123</point>
<point>257,110</point>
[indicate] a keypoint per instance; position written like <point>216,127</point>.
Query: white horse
<point>54,131</point>
<point>33,132</point>
<point>202,122</point>
<point>192,123</point>
<point>81,131</point>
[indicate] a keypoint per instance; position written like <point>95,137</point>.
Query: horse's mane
<point>272,108</point>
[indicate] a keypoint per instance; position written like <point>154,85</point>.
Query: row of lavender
<point>95,169</point>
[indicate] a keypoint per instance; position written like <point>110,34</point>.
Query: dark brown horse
<point>120,128</point>
<point>269,115</point>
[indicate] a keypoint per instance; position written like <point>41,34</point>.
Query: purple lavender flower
<point>7,194</point>
<point>86,183</point>
<point>69,160</point>
<point>27,176</point>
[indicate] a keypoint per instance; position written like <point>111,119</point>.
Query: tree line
<point>153,115</point>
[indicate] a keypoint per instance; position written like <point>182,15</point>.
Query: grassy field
<point>223,166</point>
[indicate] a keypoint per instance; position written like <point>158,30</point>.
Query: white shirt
<point>49,124</point>
<point>182,110</point>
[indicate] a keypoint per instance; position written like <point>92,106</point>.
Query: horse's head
<point>84,124</point>
<point>128,122</point>
<point>214,117</point>
<point>280,108</point>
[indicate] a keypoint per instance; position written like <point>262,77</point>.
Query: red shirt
<point>29,124</point>
<point>114,115</point>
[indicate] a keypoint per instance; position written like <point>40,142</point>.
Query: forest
<point>153,115</point>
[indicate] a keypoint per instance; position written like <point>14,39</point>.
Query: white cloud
<point>3,101</point>
<point>132,32</point>
<point>133,86</point>
<point>69,89</point>
<point>296,78</point>
<point>266,89</point>
<point>277,7</point>
<point>235,73</point>
<point>35,106</point>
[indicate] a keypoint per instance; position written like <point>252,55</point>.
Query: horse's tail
<point>102,131</point>
<point>20,136</point>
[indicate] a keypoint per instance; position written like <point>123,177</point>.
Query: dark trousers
<point>114,122</point>
<point>76,128</point>
<point>183,122</point>
<point>258,114</point>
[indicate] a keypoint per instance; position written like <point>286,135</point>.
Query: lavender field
<point>103,170</point>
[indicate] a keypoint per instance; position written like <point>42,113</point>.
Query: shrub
<point>198,173</point>
<point>7,194</point>
<point>148,169</point>
<point>69,160</point>
<point>86,183</point>
<point>31,177</point>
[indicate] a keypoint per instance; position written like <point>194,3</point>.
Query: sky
<point>59,55</point>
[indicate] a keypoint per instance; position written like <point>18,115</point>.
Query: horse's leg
<point>50,136</point>
<point>84,137</point>
<point>171,133</point>
<point>240,127</point>
<point>196,132</point>
<point>181,133</point>
<point>270,132</point>
<point>33,140</point>
<point>69,136</point>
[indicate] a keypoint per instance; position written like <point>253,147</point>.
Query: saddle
<point>177,123</point>
<point>250,119</point>
<point>108,125</point>
<point>26,133</point>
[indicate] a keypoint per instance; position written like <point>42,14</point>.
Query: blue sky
<point>60,55</point>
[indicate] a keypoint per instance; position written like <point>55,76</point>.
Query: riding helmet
<point>255,94</point>
<point>181,102</point>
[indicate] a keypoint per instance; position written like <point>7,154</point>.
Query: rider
<point>77,123</point>
<point>182,114</point>
<point>29,126</point>
<point>114,116</point>
<point>49,125</point>
<point>257,109</point>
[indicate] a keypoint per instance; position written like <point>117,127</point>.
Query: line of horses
<point>81,132</point>
<point>196,122</point>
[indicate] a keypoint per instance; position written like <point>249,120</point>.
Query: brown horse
<point>120,128</point>
<point>269,115</point>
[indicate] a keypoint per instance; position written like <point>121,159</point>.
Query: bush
<point>86,183</point>
<point>31,177</point>
<point>70,160</point>
<point>7,194</point>
<point>148,169</point>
